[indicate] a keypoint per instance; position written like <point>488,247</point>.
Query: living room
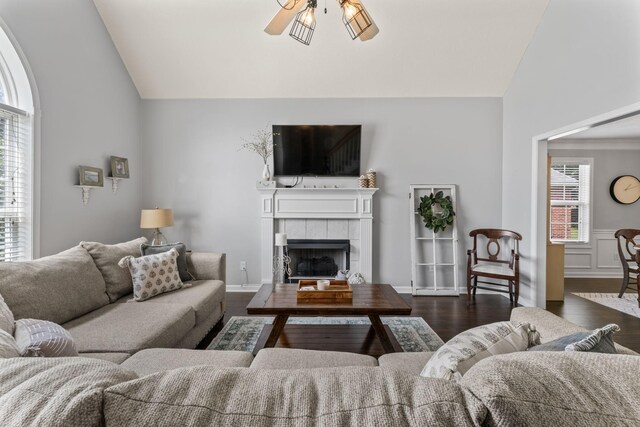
<point>157,101</point>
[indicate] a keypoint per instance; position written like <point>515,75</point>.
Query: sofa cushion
<point>197,334</point>
<point>290,358</point>
<point>117,358</point>
<point>412,363</point>
<point>355,396</point>
<point>8,346</point>
<point>7,321</point>
<point>185,276</point>
<point>153,275</point>
<point>461,352</point>
<point>57,288</point>
<point>147,362</point>
<point>106,257</point>
<point>558,388</point>
<point>127,328</point>
<point>207,266</point>
<point>41,338</point>
<point>204,296</point>
<point>55,392</point>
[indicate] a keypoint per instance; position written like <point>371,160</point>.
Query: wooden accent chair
<point>626,238</point>
<point>492,266</point>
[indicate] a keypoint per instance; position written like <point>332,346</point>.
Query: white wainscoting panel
<point>577,260</point>
<point>607,253</point>
<point>599,258</point>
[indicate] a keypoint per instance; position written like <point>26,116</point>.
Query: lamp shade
<point>156,218</point>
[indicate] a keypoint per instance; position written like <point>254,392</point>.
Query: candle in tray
<point>323,285</point>
<point>281,239</point>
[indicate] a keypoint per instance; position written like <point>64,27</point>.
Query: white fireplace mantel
<point>318,204</point>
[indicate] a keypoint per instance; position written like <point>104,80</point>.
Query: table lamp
<point>156,218</point>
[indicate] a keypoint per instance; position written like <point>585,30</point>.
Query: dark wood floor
<point>448,316</point>
<point>592,315</point>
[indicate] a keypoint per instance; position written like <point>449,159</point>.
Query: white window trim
<point>27,97</point>
<point>571,244</point>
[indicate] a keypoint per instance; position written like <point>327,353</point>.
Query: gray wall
<point>90,110</point>
<point>607,165</point>
<point>584,60</point>
<point>191,163</point>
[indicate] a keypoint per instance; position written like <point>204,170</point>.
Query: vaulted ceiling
<point>217,49</point>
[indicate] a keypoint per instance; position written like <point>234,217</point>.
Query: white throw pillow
<point>8,346</point>
<point>41,338</point>
<point>7,322</point>
<point>466,349</point>
<point>153,274</point>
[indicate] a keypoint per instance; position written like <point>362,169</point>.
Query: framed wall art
<point>91,177</point>
<point>119,167</point>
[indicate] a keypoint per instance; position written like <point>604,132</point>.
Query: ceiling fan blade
<point>284,17</point>
<point>370,32</point>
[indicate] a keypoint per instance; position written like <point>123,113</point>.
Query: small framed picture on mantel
<point>119,167</point>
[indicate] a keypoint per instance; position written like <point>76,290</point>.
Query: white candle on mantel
<point>281,239</point>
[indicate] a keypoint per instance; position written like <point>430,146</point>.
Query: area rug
<point>627,304</point>
<point>242,332</point>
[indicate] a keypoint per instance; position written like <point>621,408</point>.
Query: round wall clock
<point>625,189</point>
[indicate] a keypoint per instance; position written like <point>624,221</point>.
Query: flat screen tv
<point>316,150</point>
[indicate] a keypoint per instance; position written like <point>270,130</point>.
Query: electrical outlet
<point>243,265</point>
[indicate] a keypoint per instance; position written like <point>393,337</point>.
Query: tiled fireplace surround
<point>318,213</point>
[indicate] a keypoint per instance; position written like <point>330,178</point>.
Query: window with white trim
<point>16,159</point>
<point>570,200</point>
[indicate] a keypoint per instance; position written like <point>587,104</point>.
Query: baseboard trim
<point>250,287</point>
<point>243,288</point>
<point>593,275</point>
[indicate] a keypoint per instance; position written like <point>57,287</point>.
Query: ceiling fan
<point>355,18</point>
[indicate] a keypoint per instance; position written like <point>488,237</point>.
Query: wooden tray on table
<point>339,292</point>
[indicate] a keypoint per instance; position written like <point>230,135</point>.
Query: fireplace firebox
<point>317,259</point>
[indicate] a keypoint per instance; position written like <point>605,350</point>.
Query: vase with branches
<point>261,143</point>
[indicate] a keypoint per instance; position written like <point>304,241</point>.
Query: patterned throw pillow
<point>153,274</point>
<point>8,346</point>
<point>598,341</point>
<point>7,322</point>
<point>185,276</point>
<point>466,349</point>
<point>41,338</point>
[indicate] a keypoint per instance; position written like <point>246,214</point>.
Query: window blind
<point>570,200</point>
<point>15,190</point>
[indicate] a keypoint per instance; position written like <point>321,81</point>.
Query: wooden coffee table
<point>368,300</point>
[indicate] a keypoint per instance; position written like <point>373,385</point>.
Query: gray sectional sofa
<point>284,387</point>
<point>85,291</point>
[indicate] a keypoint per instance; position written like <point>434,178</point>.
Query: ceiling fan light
<point>305,24</point>
<point>355,18</point>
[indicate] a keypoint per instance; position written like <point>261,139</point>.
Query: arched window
<point>3,91</point>
<point>16,156</point>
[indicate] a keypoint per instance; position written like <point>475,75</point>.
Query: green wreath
<point>436,221</point>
